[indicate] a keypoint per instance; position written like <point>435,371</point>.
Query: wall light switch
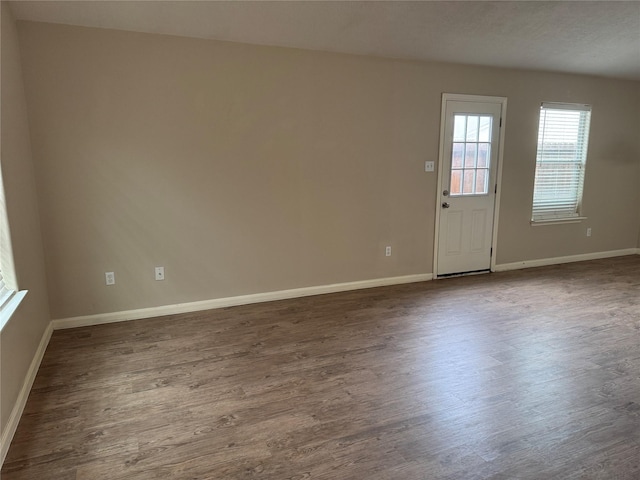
<point>159,273</point>
<point>429,166</point>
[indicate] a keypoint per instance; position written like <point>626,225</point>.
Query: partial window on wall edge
<point>10,297</point>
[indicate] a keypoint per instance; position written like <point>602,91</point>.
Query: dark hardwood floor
<point>533,374</point>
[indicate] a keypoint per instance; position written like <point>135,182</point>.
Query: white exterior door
<point>470,141</point>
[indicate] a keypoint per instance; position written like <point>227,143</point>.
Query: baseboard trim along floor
<point>122,316</point>
<point>21,401</point>
<point>544,262</point>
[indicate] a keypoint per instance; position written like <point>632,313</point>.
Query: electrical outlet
<point>387,251</point>
<point>110,278</point>
<point>589,232</point>
<point>159,273</point>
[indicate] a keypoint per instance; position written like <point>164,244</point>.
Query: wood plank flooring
<point>533,374</point>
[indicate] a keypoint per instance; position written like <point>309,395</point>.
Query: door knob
<point>445,205</point>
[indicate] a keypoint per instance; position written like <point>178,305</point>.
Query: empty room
<point>319,240</point>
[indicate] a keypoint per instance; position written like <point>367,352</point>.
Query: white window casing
<point>563,138</point>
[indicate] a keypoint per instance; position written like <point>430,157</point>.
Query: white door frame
<point>460,97</point>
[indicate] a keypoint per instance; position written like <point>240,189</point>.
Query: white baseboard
<point>122,316</point>
<point>543,262</point>
<point>21,401</point>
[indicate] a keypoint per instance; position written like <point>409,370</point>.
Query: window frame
<point>10,299</point>
<point>543,212</point>
<point>10,295</point>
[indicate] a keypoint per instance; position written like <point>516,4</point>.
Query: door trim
<point>460,97</point>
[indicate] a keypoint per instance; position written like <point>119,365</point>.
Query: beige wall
<point>638,143</point>
<point>246,169</point>
<point>21,336</point>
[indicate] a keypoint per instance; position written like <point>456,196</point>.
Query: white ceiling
<point>599,37</point>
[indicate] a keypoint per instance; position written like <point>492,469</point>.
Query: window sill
<point>557,221</point>
<point>10,307</point>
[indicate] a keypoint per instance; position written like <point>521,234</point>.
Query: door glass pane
<point>459,127</point>
<point>456,182</point>
<point>485,129</point>
<point>484,153</point>
<point>482,181</point>
<point>467,184</point>
<point>470,155</point>
<point>472,128</point>
<point>456,156</point>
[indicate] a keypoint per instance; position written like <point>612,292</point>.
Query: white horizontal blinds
<point>5,293</point>
<point>563,137</point>
<point>7,280</point>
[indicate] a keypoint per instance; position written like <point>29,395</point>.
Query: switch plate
<point>387,251</point>
<point>429,166</point>
<point>110,278</point>
<point>159,273</point>
<point>589,232</point>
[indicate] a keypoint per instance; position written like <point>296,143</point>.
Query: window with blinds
<point>563,137</point>
<point>6,262</point>
<point>10,298</point>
